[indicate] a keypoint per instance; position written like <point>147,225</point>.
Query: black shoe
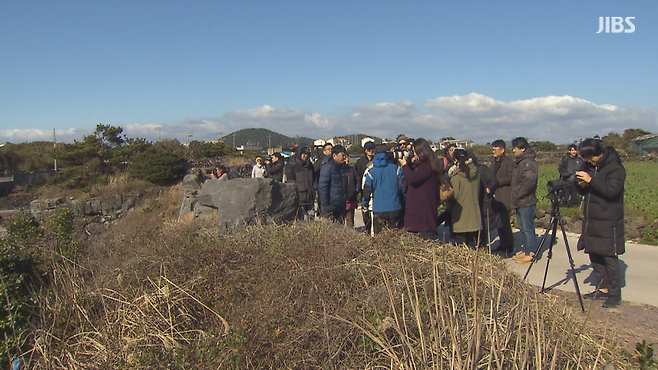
<point>612,301</point>
<point>597,294</point>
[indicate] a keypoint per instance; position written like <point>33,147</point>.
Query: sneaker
<point>518,256</point>
<point>597,294</point>
<point>612,301</point>
<point>530,258</point>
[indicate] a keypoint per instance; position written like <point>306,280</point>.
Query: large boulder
<point>247,201</point>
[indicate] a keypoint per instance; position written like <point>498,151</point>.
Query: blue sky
<point>477,70</point>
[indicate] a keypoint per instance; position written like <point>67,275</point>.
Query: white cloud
<point>559,119</point>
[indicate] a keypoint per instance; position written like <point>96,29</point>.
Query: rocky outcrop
<point>239,202</point>
<point>108,209</point>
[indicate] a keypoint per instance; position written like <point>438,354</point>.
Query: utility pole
<point>54,147</point>
<point>189,134</point>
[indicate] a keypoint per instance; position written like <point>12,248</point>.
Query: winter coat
<point>603,207</point>
<point>422,198</point>
<point>568,167</point>
<point>502,168</point>
<point>383,185</point>
<point>275,170</point>
<point>301,173</point>
<point>464,206</point>
<point>258,171</point>
<point>360,167</point>
<point>490,216</point>
<point>524,180</point>
<point>332,185</point>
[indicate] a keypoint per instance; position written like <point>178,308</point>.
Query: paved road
<point>639,267</point>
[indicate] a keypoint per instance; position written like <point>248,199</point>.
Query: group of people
<point>403,188</point>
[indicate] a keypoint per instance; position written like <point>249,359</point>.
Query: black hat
<point>369,146</point>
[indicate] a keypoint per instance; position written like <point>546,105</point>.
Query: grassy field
<point>640,199</point>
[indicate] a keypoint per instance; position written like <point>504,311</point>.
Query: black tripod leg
<point>573,266</point>
<point>541,243</point>
<point>549,254</point>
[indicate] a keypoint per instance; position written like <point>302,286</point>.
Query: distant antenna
<point>159,134</point>
<point>189,135</point>
<point>220,136</point>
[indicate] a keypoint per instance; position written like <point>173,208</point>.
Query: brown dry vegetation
<point>154,292</point>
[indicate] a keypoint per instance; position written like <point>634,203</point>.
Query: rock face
<point>108,208</point>
<point>241,202</point>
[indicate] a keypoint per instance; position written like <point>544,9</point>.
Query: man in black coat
<point>567,168</point>
<point>602,185</point>
<point>300,172</point>
<point>502,167</point>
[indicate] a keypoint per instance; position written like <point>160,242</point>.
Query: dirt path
<point>627,324</point>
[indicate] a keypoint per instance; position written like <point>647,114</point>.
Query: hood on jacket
<point>529,153</point>
<point>379,160</point>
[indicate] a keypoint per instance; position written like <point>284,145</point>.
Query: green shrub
<point>21,270</point>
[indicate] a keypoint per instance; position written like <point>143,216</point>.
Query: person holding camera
<point>274,167</point>
<point>464,206</point>
<point>567,168</point>
<point>602,184</point>
<point>422,172</point>
<point>384,189</point>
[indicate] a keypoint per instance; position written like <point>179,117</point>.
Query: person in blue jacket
<point>332,185</point>
<point>384,190</point>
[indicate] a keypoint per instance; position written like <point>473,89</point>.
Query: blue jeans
<point>525,218</point>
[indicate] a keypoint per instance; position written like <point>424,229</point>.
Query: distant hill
<point>263,136</point>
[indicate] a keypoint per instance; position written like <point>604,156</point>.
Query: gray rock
<point>192,180</point>
<point>242,202</point>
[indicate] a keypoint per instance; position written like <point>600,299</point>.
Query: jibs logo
<point>616,25</point>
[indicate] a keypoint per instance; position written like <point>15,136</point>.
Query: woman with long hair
<point>423,194</point>
<point>465,206</point>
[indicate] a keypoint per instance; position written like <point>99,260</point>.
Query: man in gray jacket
<point>523,199</point>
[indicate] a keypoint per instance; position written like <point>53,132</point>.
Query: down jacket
<point>568,167</point>
<point>300,172</point>
<point>332,185</point>
<point>603,207</point>
<point>524,180</point>
<point>384,185</point>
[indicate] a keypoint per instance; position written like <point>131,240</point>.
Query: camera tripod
<point>556,218</point>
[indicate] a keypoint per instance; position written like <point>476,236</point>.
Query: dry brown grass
<point>158,293</point>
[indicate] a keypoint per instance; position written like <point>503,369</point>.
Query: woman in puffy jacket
<point>602,185</point>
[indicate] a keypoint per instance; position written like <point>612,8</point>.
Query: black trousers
<point>505,232</point>
<point>391,220</point>
<point>607,271</point>
<point>336,213</point>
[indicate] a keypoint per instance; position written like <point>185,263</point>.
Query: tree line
<point>108,152</point>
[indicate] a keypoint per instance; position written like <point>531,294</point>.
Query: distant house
<point>646,145</point>
<point>320,142</point>
<point>460,143</point>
